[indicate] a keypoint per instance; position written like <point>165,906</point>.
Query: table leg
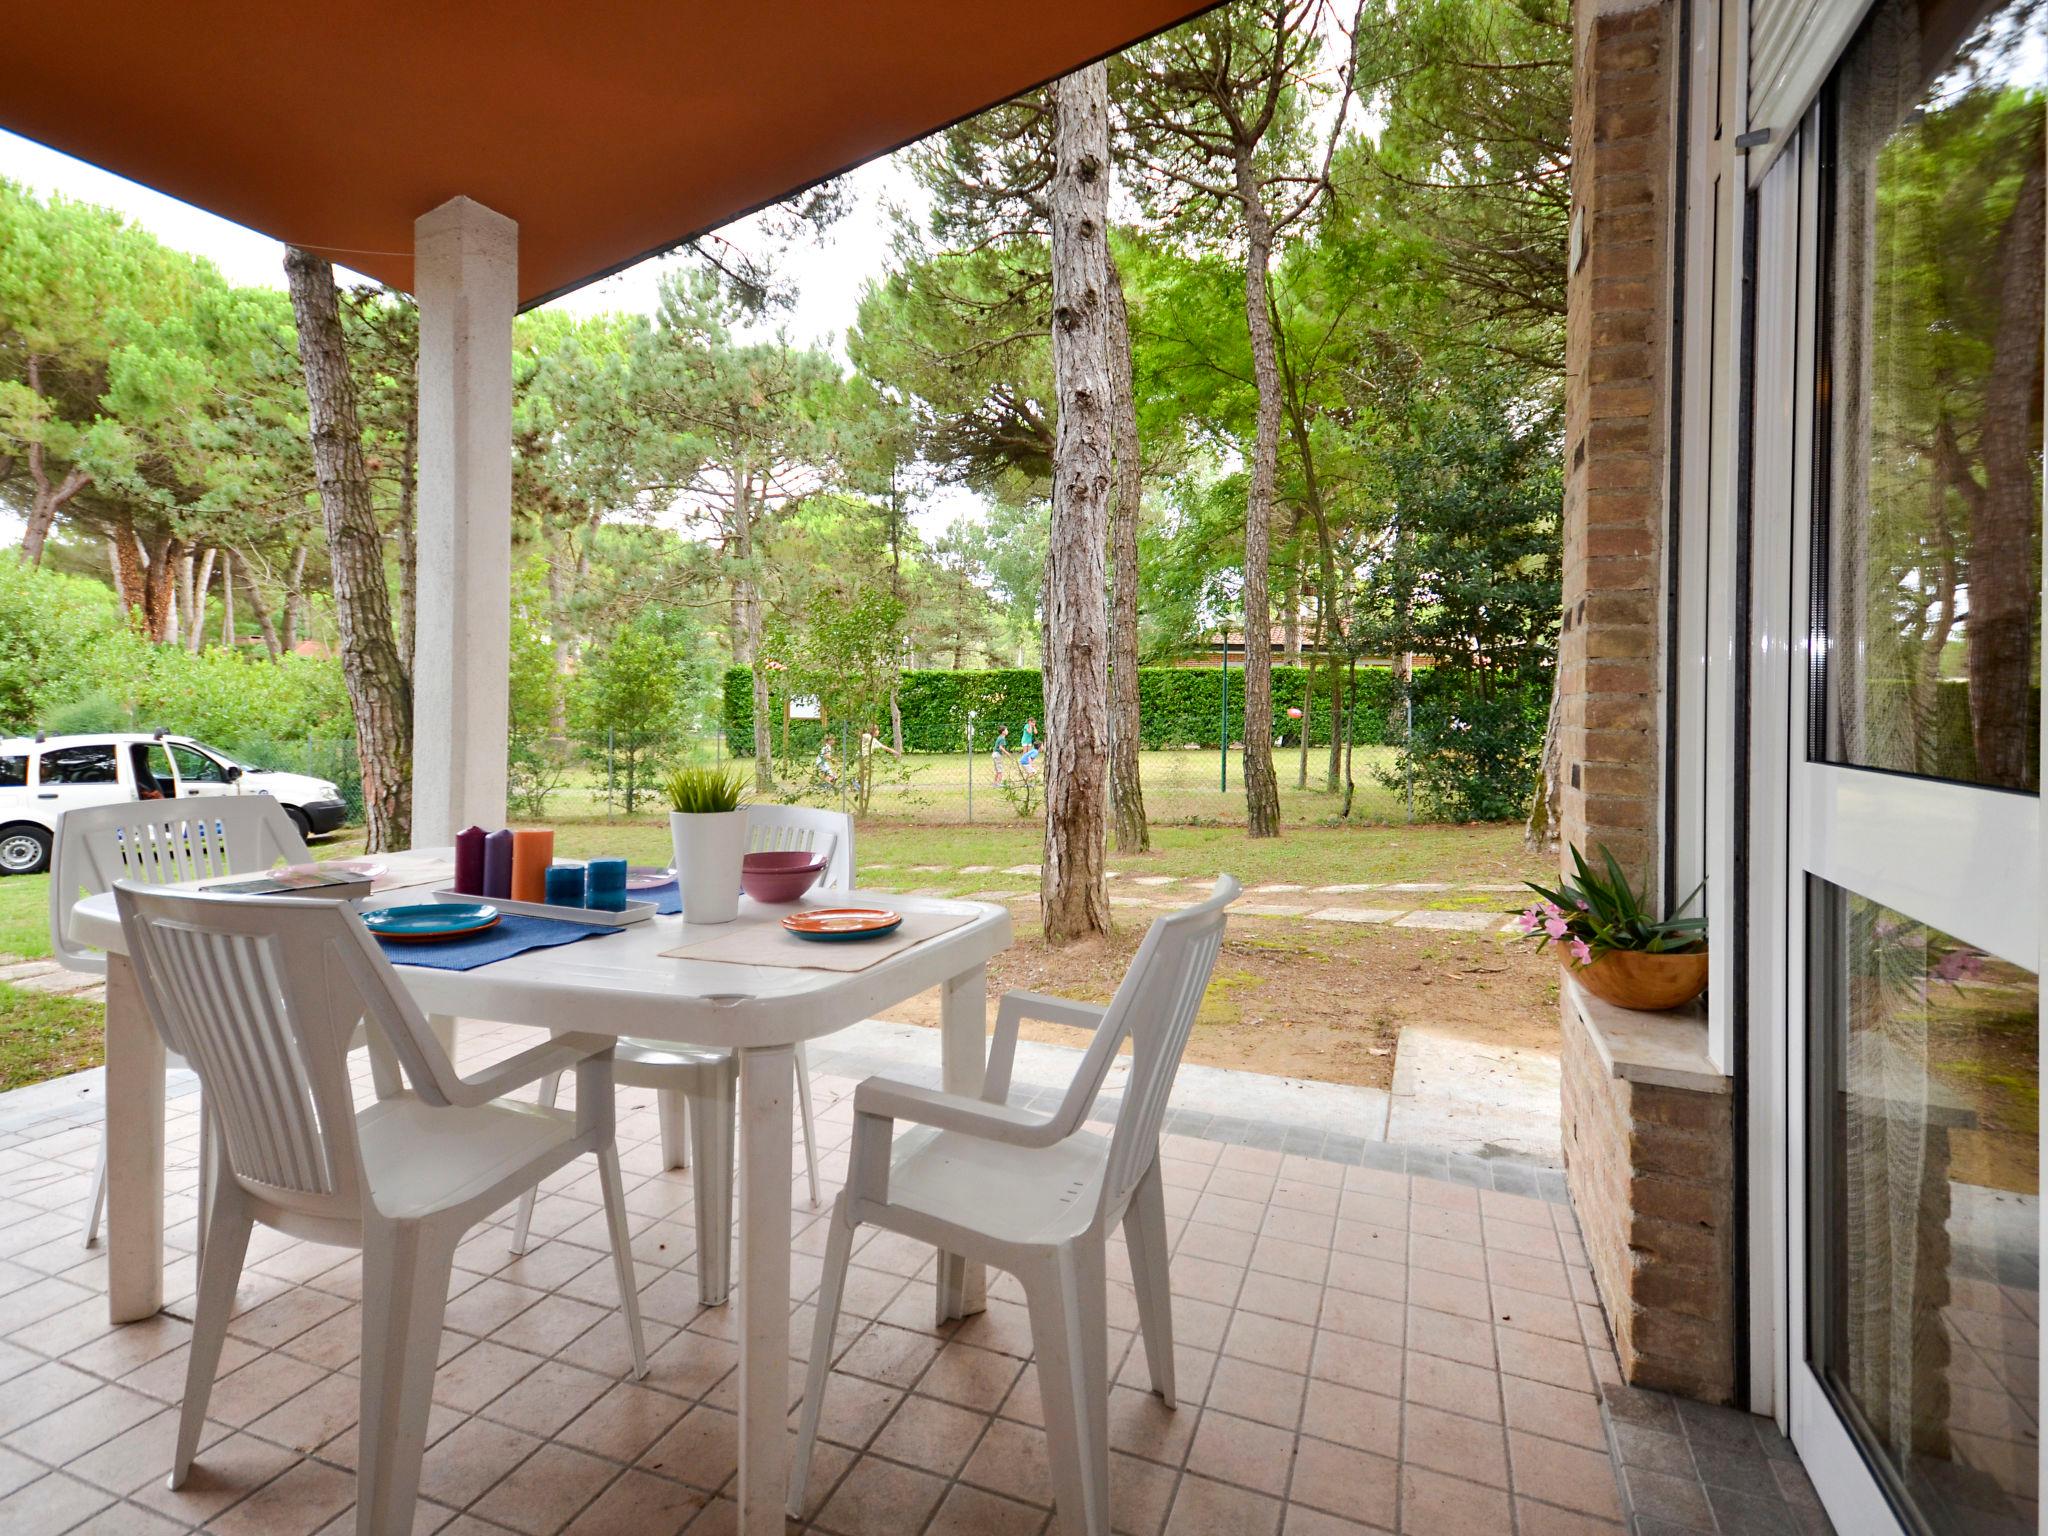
<point>963,1043</point>
<point>765,1165</point>
<point>135,1151</point>
<point>444,1027</point>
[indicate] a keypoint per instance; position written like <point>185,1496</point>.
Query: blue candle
<point>565,885</point>
<point>605,883</point>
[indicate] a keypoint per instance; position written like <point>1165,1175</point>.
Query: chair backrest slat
<point>262,995</point>
<point>159,842</point>
<point>800,829</point>
<point>1155,1009</point>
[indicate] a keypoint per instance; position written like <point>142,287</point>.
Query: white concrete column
<point>465,275</point>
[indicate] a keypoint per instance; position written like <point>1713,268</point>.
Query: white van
<point>41,778</point>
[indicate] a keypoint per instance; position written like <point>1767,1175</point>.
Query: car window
<point>195,767</point>
<point>14,771</point>
<point>80,765</point>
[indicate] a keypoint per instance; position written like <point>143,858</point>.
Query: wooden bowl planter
<point>1651,983</point>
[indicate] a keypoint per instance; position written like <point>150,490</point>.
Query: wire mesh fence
<point>873,783</point>
<point>609,780</point>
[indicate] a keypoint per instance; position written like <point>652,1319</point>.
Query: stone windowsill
<point>1668,1050</point>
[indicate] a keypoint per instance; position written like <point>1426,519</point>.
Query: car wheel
<point>24,851</point>
<point>300,821</point>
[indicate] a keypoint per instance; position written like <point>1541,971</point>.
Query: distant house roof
<point>608,132</point>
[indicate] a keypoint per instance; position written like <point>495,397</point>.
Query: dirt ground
<point>1324,1001</point>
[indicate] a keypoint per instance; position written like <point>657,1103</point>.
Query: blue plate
<point>431,921</point>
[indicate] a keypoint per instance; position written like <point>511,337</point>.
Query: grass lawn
<point>43,1036</point>
<point>1312,1000</point>
<point>927,787</point>
<point>1310,855</point>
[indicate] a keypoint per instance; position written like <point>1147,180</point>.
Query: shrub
<point>1473,755</point>
<point>1177,707</point>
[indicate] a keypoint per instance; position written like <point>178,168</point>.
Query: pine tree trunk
<point>1261,784</point>
<point>1127,791</point>
<point>1072,891</point>
<point>227,598</point>
<point>2005,588</point>
<point>160,590</point>
<point>125,555</point>
<point>1540,831</point>
<point>260,609</point>
<point>409,537</point>
<point>192,585</point>
<point>45,499</point>
<point>294,597</point>
<point>563,634</point>
<point>362,601</point>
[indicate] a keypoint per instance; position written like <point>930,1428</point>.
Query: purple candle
<point>498,864</point>
<point>469,861</point>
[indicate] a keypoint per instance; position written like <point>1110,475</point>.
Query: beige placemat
<point>770,944</point>
<point>404,871</point>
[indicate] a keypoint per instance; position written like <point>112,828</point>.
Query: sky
<point>827,277</point>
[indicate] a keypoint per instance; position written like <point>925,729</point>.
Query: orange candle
<point>533,850</point>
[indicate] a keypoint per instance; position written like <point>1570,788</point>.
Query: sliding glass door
<point>1912,990</point>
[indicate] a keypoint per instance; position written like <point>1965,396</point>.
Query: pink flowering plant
<point>1595,911</point>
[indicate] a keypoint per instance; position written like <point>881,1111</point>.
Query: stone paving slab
<point>1356,914</point>
<point>56,982</point>
<point>19,969</point>
<point>1022,869</point>
<point>1466,922</point>
<point>1482,1100</point>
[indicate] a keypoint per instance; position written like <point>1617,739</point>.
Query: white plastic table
<point>619,984</point>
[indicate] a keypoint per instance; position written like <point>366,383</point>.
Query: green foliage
<point>50,627</point>
<point>1472,755</point>
<point>629,700</point>
<point>535,765</point>
<point>68,662</point>
<point>1177,707</point>
<point>704,791</point>
<point>1599,911</point>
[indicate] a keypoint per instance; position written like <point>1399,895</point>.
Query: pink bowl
<point>778,877</point>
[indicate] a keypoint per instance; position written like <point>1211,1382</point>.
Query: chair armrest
<point>880,1099</point>
<point>879,1103</point>
<point>1012,1010</point>
<point>556,1055</point>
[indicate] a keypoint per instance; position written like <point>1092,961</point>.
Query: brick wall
<point>1652,1182</point>
<point>1617,400</point>
<point>1650,1166</point>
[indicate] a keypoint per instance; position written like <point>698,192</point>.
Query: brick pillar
<point>1617,431</point>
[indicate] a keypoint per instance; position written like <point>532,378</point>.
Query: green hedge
<point>1177,707</point>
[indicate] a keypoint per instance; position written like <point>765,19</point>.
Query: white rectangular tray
<point>636,911</point>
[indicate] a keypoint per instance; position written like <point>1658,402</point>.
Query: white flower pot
<point>709,849</point>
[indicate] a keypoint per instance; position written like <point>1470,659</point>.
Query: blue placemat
<point>513,934</point>
<point>667,899</point>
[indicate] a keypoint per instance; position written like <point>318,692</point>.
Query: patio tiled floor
<point>1361,1349</point>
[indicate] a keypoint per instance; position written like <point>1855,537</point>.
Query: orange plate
<point>842,922</point>
<point>442,938</point>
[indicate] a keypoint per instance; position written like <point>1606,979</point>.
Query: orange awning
<point>609,131</point>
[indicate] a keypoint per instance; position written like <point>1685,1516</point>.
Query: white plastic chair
<point>696,1087</point>
<point>1037,1195</point>
<point>155,842</point>
<point>261,995</point>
